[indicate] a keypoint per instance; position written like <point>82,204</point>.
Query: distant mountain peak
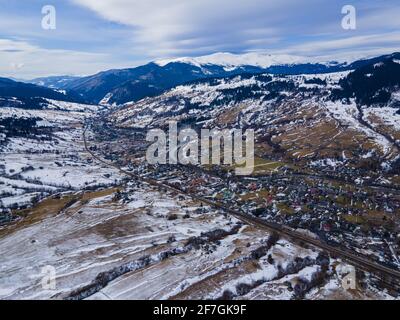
<point>257,59</point>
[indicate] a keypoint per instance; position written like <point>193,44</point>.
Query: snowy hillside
<point>279,107</point>
<point>42,153</point>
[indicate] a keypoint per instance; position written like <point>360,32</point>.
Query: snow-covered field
<point>109,232</point>
<point>33,167</point>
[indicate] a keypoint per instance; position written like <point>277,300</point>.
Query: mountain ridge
<point>119,86</point>
<point>27,95</point>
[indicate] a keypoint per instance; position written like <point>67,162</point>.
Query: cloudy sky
<point>95,35</point>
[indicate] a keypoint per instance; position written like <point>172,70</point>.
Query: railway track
<point>387,275</point>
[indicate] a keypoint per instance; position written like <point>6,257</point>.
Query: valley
<point>49,159</point>
<point>77,194</point>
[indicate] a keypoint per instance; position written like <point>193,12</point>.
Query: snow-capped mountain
<point>126,85</point>
<point>230,60</point>
<point>121,86</point>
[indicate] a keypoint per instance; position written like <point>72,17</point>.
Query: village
<point>340,212</point>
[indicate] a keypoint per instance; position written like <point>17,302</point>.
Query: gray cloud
<point>175,27</point>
